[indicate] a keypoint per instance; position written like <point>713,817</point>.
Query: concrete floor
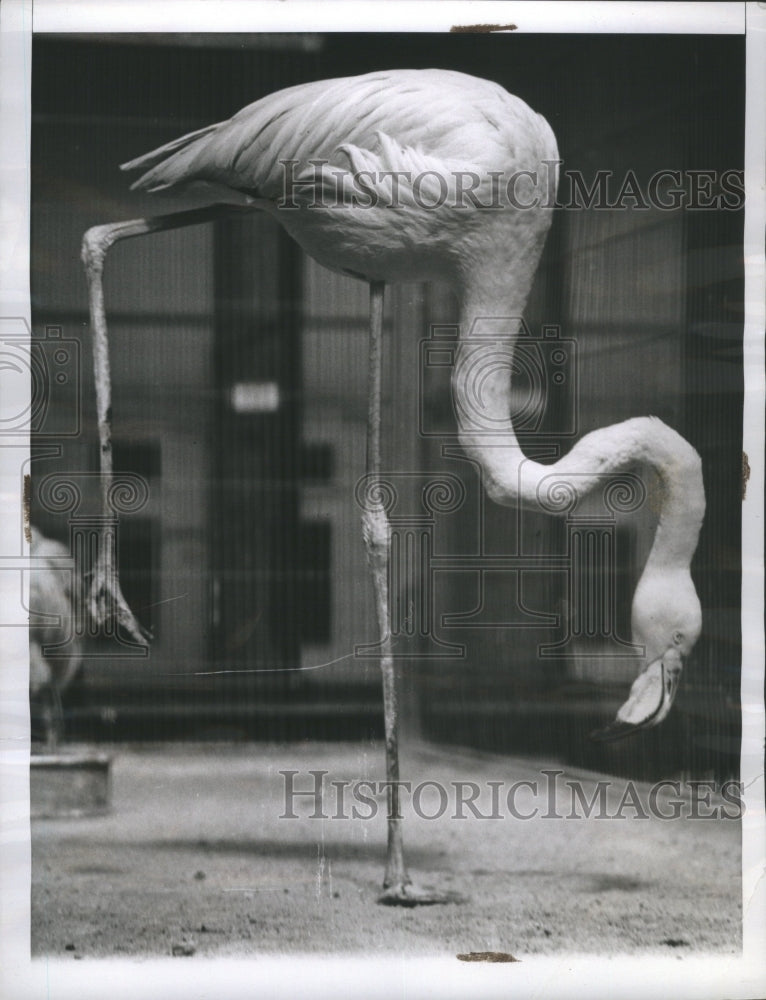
<point>194,859</point>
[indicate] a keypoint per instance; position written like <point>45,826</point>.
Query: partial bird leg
<point>398,889</point>
<point>106,598</point>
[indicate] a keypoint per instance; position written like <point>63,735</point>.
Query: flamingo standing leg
<point>376,533</point>
<point>398,889</point>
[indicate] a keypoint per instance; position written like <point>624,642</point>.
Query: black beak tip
<point>616,730</point>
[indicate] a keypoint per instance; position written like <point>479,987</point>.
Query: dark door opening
<point>255,513</point>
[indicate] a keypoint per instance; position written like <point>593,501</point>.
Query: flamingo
<point>322,158</point>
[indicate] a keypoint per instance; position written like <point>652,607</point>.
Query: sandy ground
<point>194,859</point>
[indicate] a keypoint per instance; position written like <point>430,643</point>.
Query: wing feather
<point>435,115</point>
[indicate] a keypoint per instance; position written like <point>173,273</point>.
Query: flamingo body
<point>433,130</point>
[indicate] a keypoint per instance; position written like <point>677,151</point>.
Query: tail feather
<point>158,164</point>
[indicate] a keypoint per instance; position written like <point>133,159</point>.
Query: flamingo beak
<point>649,701</point>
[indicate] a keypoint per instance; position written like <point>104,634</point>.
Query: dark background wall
<point>246,556</point>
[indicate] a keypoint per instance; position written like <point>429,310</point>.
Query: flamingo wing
<point>439,114</point>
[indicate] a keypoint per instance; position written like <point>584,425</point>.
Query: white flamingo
<point>452,143</point>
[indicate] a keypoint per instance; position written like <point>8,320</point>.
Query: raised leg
<point>106,598</point>
<point>398,889</point>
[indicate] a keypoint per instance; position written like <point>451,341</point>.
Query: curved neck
<point>483,387</point>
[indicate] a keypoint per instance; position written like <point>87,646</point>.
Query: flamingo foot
<point>108,604</point>
<point>407,894</point>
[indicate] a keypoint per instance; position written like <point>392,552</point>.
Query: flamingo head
<point>667,621</point>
